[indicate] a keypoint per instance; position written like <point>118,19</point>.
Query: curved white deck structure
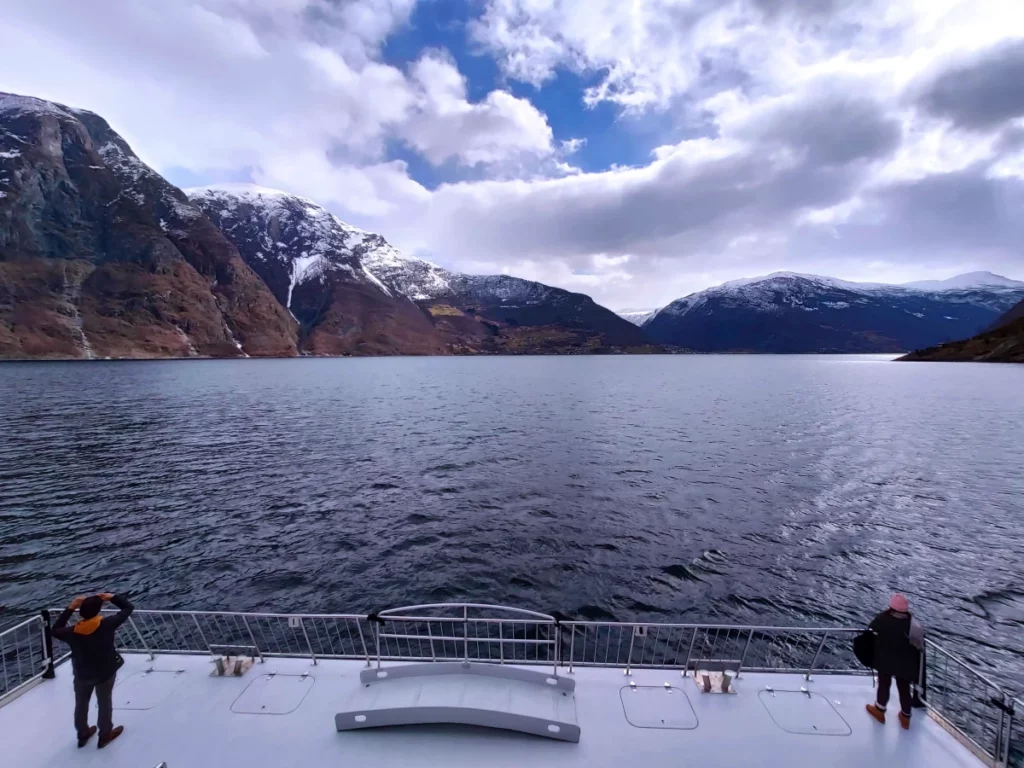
<point>457,693</point>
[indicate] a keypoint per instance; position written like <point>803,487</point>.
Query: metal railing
<point>314,636</point>
<point>689,646</point>
<point>467,632</point>
<point>968,702</point>
<point>973,707</point>
<point>24,656</point>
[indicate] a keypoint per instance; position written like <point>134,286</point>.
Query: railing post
<point>689,652</point>
<point>572,647</point>
<point>817,653</point>
<point>245,620</point>
<point>465,634</point>
<point>142,640</point>
<point>49,673</point>
<point>309,645</point>
<point>629,654</point>
<point>206,642</point>
<point>743,656</point>
<point>362,641</point>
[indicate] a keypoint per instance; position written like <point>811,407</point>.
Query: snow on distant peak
<point>637,316</point>
<point>966,282</point>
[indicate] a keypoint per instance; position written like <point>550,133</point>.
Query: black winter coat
<point>895,653</point>
<point>93,656</point>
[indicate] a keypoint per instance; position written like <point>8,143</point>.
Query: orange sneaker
<point>905,721</point>
<point>875,712</point>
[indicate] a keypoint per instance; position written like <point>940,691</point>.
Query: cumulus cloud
<point>983,91</point>
<point>868,140</point>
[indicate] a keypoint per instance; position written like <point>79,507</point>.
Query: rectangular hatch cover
<point>657,706</point>
<point>273,695</point>
<point>805,713</point>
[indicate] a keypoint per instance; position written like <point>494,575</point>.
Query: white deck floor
<point>194,721</point>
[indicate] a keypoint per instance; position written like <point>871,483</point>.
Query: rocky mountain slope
<point>1002,343</point>
<point>101,257</point>
<point>353,293</point>
<point>792,313</point>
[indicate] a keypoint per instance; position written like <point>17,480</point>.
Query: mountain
<point>787,312</point>
<point>636,316</point>
<point>101,257</point>
<point>1002,343</point>
<point>353,293</point>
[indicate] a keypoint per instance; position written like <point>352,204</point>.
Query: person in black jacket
<point>94,660</point>
<point>899,641</point>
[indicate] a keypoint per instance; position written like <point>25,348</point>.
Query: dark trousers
<point>104,697</point>
<point>903,686</point>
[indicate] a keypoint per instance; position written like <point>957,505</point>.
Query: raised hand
<point>76,603</point>
<point>107,596</point>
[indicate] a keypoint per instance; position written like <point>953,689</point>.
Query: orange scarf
<point>87,626</point>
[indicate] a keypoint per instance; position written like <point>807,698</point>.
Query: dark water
<point>784,490</point>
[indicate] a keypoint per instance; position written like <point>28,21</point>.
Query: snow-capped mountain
<point>354,293</point>
<point>637,316</point>
<point>102,257</point>
<point>791,312</point>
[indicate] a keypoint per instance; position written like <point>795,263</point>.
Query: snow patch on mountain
<point>965,282</point>
<point>637,316</point>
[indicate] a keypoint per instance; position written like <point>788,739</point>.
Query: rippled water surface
<point>784,490</point>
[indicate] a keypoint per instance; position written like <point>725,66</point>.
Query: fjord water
<point>754,489</point>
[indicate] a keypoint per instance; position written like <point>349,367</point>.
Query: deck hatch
<point>273,695</point>
<point>655,706</point>
<point>147,688</point>
<point>804,712</point>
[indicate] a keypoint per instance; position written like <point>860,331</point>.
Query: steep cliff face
<point>353,293</point>
<point>101,257</point>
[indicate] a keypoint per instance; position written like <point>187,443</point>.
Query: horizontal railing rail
<point>24,656</point>
<point>466,632</point>
<point>965,700</point>
<point>689,646</point>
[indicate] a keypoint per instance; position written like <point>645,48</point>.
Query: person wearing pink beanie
<point>899,641</point>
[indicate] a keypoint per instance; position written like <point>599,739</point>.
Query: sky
<point>633,150</point>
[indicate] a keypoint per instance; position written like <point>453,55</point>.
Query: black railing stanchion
<point>50,672</point>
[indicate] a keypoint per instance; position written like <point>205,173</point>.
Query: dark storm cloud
<point>982,92</point>
<point>836,128</point>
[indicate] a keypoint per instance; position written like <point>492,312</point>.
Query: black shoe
<point>82,742</point>
<point>114,733</point>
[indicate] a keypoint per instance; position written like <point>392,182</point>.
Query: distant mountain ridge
<point>787,312</point>
<point>354,293</point>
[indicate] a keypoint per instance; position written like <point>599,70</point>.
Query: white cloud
<point>447,125</point>
<point>832,136</point>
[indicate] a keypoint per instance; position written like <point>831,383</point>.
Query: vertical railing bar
<point>255,645</point>
<point>743,656</point>
<point>202,634</point>
<point>689,652</point>
<point>817,653</point>
<point>302,623</point>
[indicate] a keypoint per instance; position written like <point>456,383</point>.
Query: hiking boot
<point>875,712</point>
<point>905,721</point>
<point>114,733</point>
<point>83,741</point>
